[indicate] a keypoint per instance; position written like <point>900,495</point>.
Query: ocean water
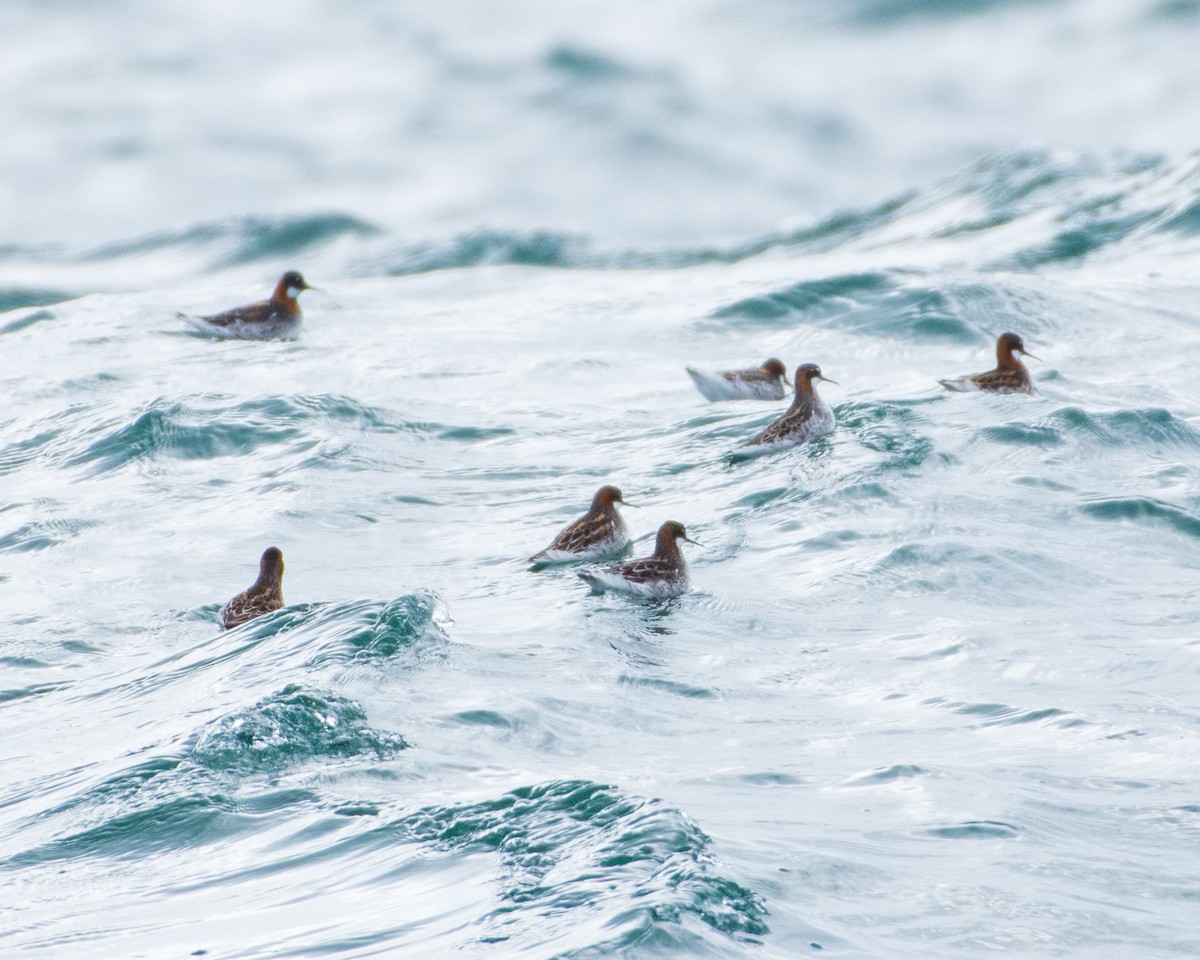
<point>933,693</point>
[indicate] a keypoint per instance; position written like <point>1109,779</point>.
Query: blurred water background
<point>934,692</point>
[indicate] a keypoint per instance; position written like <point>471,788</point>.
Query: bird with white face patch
<point>275,319</point>
<point>662,575</point>
<point>807,418</point>
<point>1010,375</point>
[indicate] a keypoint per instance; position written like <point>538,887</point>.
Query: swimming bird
<point>274,319</point>
<point>759,383</point>
<point>600,532</point>
<point>662,575</point>
<point>1010,375</point>
<point>808,417</point>
<point>266,594</point>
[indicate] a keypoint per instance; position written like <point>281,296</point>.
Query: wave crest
<point>290,726</point>
<point>570,847</point>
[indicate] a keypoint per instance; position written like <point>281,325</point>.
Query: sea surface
<point>936,690</point>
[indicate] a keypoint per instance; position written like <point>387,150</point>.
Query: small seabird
<point>759,383</point>
<point>266,594</point>
<point>274,319</point>
<point>662,575</point>
<point>600,532</point>
<point>808,417</point>
<point>1010,375</point>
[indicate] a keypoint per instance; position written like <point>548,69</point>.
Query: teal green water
<point>933,691</point>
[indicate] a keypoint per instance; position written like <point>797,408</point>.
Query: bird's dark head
<point>270,567</point>
<point>291,284</point>
<point>1008,344</point>
<point>807,374</point>
<point>775,368</point>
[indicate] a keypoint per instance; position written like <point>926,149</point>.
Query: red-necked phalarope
<point>760,383</point>
<point>807,418</point>
<point>600,532</point>
<point>274,319</point>
<point>662,575</point>
<point>266,594</point>
<point>1010,375</point>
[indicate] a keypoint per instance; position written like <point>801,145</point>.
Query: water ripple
<point>1145,510</point>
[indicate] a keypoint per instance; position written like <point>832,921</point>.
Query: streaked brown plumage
<point>276,318</point>
<point>600,532</point>
<point>1010,375</point>
<point>266,594</point>
<point>808,417</point>
<point>757,383</point>
<point>662,575</point>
